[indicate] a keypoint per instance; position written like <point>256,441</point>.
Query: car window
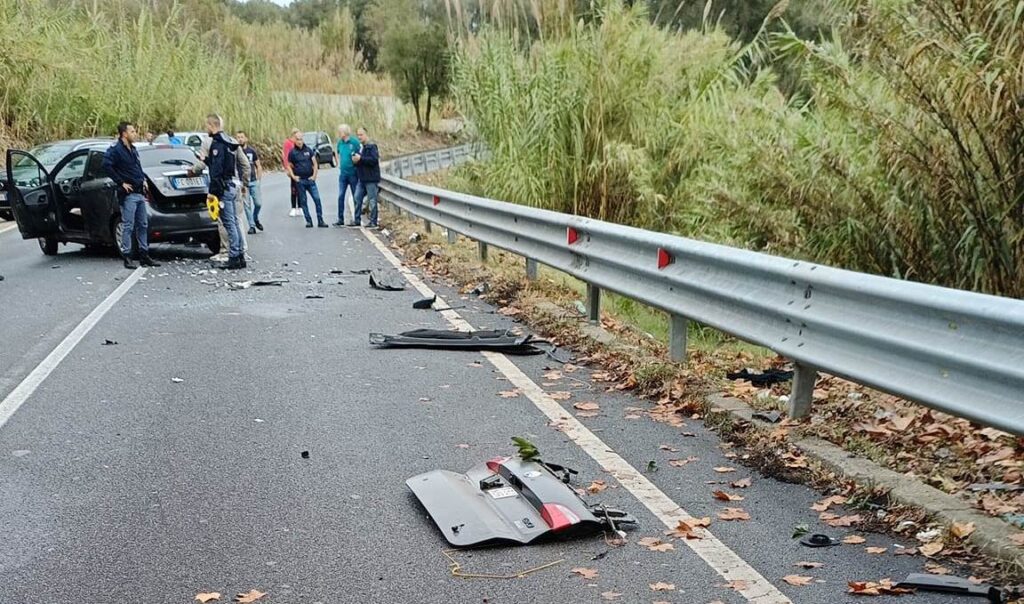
<point>94,165</point>
<point>194,141</point>
<point>73,169</point>
<point>27,173</point>
<point>50,154</point>
<point>324,140</point>
<point>309,139</point>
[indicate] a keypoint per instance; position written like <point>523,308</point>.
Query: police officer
<point>122,165</point>
<point>221,162</point>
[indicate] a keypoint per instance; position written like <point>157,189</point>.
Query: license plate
<point>502,492</point>
<point>189,183</point>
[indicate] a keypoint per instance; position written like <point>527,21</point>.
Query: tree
<point>337,39</point>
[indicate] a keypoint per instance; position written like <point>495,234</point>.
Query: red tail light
<point>558,516</point>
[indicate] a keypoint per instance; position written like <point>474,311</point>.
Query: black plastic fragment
<point>425,303</point>
<point>362,271</point>
<point>952,585</point>
<point>109,343</point>
<point>497,341</point>
<point>383,282</point>
<point>772,417</point>
<point>819,540</point>
<point>765,378</point>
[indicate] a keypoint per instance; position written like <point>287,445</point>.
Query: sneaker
<point>309,225</point>
<point>221,257</point>
<point>251,231</point>
<point>259,226</point>
<point>293,213</point>
<point>340,223</point>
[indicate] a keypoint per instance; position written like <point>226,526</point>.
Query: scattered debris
<point>456,569</point>
<point>362,271</point>
<point>497,341</point>
<point>414,238</point>
<point>250,596</point>
<point>109,343</point>
<point>772,417</point>
<point>480,289</point>
<point>256,283</point>
<point>385,282</point>
<point>763,379</point>
<point>951,585</point>
<point>882,587</point>
<point>304,454</point>
<point>819,540</point>
<point>314,296</point>
<point>207,597</point>
<point>177,380</point>
<point>424,303</point>
<point>995,486</point>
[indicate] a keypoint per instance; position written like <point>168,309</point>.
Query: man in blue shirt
<point>122,165</point>
<point>348,146</point>
<point>367,162</point>
<point>302,168</point>
<point>173,139</point>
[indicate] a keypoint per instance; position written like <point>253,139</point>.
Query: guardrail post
<point>531,269</point>
<point>482,249</point>
<point>677,331</point>
<point>452,236</point>
<point>426,225</point>
<point>804,378</point>
<point>593,303</point>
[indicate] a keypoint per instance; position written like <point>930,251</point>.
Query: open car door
<point>32,196</point>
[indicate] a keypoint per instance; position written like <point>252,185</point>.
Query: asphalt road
<point>170,464</point>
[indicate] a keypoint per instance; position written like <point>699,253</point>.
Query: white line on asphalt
<point>724,561</point>
<point>19,395</point>
<point>9,227</point>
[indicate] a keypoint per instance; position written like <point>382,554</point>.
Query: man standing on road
<point>252,202</point>
<point>302,169</point>
<point>122,165</point>
<point>367,162</point>
<point>223,165</point>
<point>289,144</point>
<point>348,182</point>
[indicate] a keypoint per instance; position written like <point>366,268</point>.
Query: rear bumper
<point>179,226</point>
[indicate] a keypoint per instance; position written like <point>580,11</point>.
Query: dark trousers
<point>295,196</point>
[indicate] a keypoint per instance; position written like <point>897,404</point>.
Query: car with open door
<point>49,154</point>
<point>74,201</point>
<point>321,143</point>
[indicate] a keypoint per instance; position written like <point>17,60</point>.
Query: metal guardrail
<point>958,352</point>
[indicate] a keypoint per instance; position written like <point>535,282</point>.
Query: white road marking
<point>20,394</point>
<point>8,227</point>
<point>716,554</point>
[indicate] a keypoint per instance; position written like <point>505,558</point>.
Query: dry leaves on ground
<point>854,540</point>
<point>596,487</point>
<point>587,406</point>
<point>662,586</point>
<point>587,573</point>
<point>723,496</point>
<point>876,550</point>
<point>840,521</point>
<point>733,514</point>
<point>560,395</point>
<point>687,529</point>
<point>724,469</point>
<point>669,448</point>
<point>741,483</point>
<point>828,502</point>
<point>211,596</point>
<point>738,585</point>
<point>509,393</point>
<point>655,544</point>
<point>884,587</point>
<point>678,463</point>
<point>250,596</point>
<point>798,580</point>
<point>930,549</point>
<point>1017,539</point>
<point>936,569</point>
<point>962,530</point>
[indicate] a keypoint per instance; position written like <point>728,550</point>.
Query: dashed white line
<point>20,394</point>
<point>752,586</point>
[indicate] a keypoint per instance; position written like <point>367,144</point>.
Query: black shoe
<point>354,225</point>
<point>309,225</point>
<point>233,263</point>
<point>339,224</point>
<point>259,226</point>
<point>322,225</point>
<point>128,262</point>
<point>147,261</point>
<point>252,231</point>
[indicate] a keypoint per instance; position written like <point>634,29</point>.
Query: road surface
<point>170,463</point>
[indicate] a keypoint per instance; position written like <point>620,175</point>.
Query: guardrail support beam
<point>452,236</point>
<point>804,378</point>
<point>593,303</point>
<point>531,269</point>
<point>426,225</point>
<point>482,249</point>
<point>677,330</point>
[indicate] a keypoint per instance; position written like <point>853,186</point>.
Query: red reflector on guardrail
<point>437,200</point>
<point>664,258</point>
<point>572,235</point>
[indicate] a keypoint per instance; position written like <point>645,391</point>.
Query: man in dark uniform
<point>223,169</point>
<point>122,165</point>
<point>302,169</point>
<point>367,162</point>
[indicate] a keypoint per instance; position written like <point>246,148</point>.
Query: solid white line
<point>9,227</point>
<point>19,395</point>
<point>715,553</point>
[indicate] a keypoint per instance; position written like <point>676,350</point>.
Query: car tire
<point>334,162</point>
<point>116,233</point>
<point>48,245</point>
<point>213,244</point>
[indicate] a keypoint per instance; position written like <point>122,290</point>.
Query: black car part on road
<point>495,341</point>
<point>509,500</point>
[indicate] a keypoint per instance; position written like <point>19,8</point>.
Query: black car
<point>49,154</point>
<point>324,149</point>
<point>74,200</point>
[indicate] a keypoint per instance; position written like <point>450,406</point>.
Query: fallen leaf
<point>251,596</point>
<point>678,463</point>
<point>798,580</point>
<point>905,551</point>
<point>962,530</point>
<point>553,375</point>
<point>844,520</point>
<point>854,540</point>
<point>587,573</point>
<point>883,587</point>
<point>723,496</point>
<point>560,395</point>
<point>876,550</point>
<point>828,502</point>
<point>686,529</point>
<point>668,448</point>
<point>509,393</point>
<point>805,564</point>
<point>610,595</point>
<point>936,569</point>
<point>662,586</point>
<point>596,487</point>
<point>462,446</point>
<point>741,483</point>
<point>587,406</point>
<point>737,584</point>
<point>586,414</point>
<point>901,422</point>
<point>930,549</point>
<point>733,514</point>
<point>724,469</point>
<point>208,597</point>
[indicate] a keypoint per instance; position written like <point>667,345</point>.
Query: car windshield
<point>174,156</point>
<point>309,138</point>
<point>26,172</point>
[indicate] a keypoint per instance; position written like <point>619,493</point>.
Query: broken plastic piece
<point>497,341</point>
<point>772,417</point>
<point>819,540</point>
<point>425,303</point>
<point>383,282</point>
<point>952,585</point>
<point>765,378</point>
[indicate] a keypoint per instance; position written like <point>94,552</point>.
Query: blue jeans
<point>350,182</point>
<point>229,219</point>
<point>253,205</point>
<point>368,189</point>
<point>309,185</point>
<point>134,220</point>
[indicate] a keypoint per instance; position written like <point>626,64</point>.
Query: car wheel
<point>117,230</point>
<point>48,245</point>
<point>213,243</point>
<point>334,162</point>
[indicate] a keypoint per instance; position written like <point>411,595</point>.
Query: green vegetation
<point>893,145</point>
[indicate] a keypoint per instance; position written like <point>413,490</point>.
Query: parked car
<point>49,154</point>
<point>74,201</point>
<point>321,141</point>
<point>193,140</point>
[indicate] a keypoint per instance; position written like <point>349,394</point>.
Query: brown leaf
<point>596,487</point>
<point>724,469</point>
<point>905,551</point>
<point>798,580</point>
<point>805,564</point>
<point>930,549</point>
<point>828,502</point>
<point>610,595</point>
<point>250,596</point>
<point>687,529</point>
<point>208,597</point>
<point>587,414</point>
<point>876,550</point>
<point>655,545</point>
<point>678,463</point>
<point>844,520</point>
<point>882,587</point>
<point>737,584</point>
<point>901,422</point>
<point>854,540</point>
<point>1017,539</point>
<point>553,375</point>
<point>723,496</point>
<point>669,448</point>
<point>741,483</point>
<point>560,395</point>
<point>587,406</point>
<point>662,586</point>
<point>936,569</point>
<point>733,514</point>
<point>587,573</point>
<point>462,446</point>
<point>509,393</point>
<point>962,530</point>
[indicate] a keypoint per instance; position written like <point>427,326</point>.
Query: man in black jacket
<point>222,171</point>
<point>122,165</point>
<point>367,162</point>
